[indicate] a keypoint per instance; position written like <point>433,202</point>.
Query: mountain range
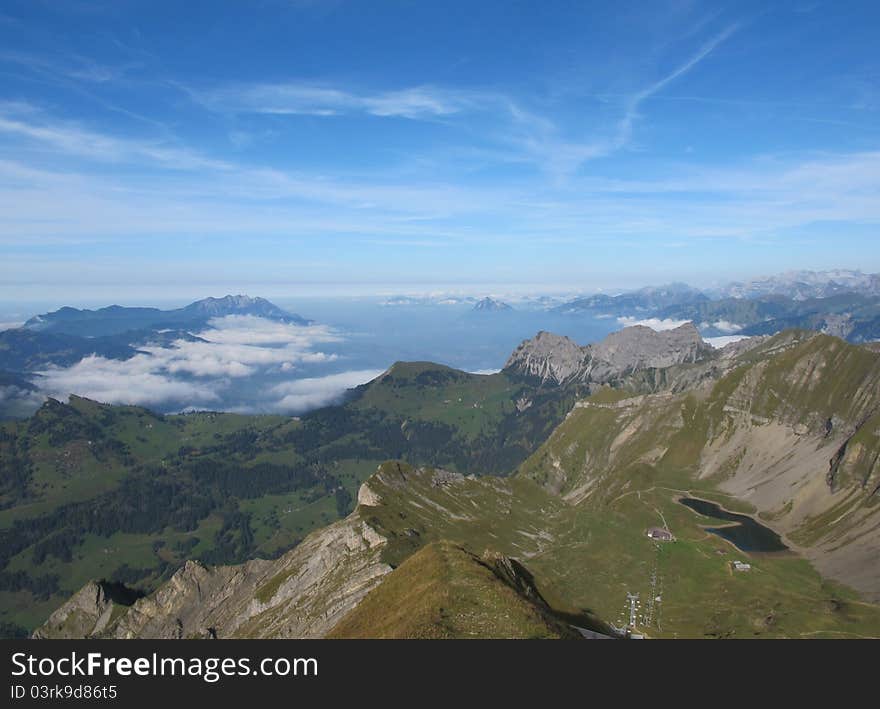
<point>514,504</point>
<point>803,285</point>
<point>649,299</point>
<point>116,320</point>
<point>840,303</point>
<point>848,307</point>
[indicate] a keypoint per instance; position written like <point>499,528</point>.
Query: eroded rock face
<point>303,594</point>
<point>548,357</point>
<point>640,347</point>
<point>86,614</point>
<point>559,360</point>
<point>367,496</point>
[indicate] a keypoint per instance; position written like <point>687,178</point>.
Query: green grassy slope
<point>472,423</point>
<point>444,591</point>
<point>604,554</point>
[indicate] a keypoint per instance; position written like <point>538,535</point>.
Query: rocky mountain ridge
<point>302,594</point>
<point>555,359</point>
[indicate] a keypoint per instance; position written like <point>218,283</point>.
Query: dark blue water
<point>746,534</point>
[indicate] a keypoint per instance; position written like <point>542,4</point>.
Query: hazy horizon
<point>287,294</point>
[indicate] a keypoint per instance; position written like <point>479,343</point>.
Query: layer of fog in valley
<point>247,364</point>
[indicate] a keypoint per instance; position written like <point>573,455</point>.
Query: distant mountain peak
<point>490,305</point>
<point>241,305</point>
<point>668,289</point>
<point>229,301</point>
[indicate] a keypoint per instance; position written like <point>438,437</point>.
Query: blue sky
<point>278,146</point>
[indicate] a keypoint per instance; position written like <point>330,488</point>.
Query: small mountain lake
<point>745,534</point>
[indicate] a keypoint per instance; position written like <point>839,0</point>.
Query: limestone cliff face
<point>559,360</point>
<point>303,594</point>
<point>640,347</point>
<point>548,357</point>
<point>87,614</point>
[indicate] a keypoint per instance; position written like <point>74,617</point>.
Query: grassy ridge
<point>444,591</point>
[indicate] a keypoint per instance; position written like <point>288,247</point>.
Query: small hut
<point>661,535</point>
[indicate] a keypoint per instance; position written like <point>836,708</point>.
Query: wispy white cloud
<point>634,102</point>
<point>71,66</point>
<point>254,331</point>
<point>16,400</point>
<point>240,345</point>
<point>758,198</point>
<point>426,202</point>
<point>294,98</point>
<point>684,68</point>
<point>26,123</point>
<point>543,141</point>
<point>726,326</point>
<point>534,137</point>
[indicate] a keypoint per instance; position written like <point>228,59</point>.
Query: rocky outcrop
<point>548,357</point>
<point>640,347</point>
<point>303,594</point>
<point>88,613</point>
<point>559,360</point>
